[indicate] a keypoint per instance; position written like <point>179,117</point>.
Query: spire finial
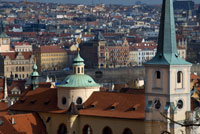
<point>78,42</point>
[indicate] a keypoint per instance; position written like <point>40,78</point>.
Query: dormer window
<point>94,104</point>
<point>113,106</point>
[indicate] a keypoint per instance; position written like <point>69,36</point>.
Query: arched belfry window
<point>179,77</point>
<point>87,129</point>
<point>157,74</point>
<point>62,129</point>
<point>107,130</point>
<point>157,79</point>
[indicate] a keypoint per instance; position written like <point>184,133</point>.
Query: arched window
<point>62,129</point>
<point>78,70</point>
<point>20,69</point>
<point>82,70</point>
<point>87,129</point>
<point>16,69</point>
<point>79,100</point>
<point>179,77</point>
<point>107,130</point>
<point>23,68</point>
<point>127,131</point>
<point>157,74</point>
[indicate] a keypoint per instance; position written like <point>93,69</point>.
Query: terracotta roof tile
<point>35,101</point>
<point>12,55</point>
<point>23,124</point>
<point>50,49</point>
<point>20,43</point>
<point>3,108</point>
<point>116,105</point>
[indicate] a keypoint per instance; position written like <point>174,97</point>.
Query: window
<point>64,100</point>
<point>78,70</point>
<point>16,69</point>
<point>62,129</point>
<point>107,130</point>
<point>158,74</point>
<point>127,131</point>
<point>157,103</point>
<point>22,68</point>
<point>82,70</point>
<point>87,129</point>
<point>179,77</point>
<point>79,100</point>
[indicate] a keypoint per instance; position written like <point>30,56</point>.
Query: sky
<point>124,2</point>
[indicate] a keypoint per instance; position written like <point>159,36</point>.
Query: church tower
<point>167,87</point>
<point>4,40</point>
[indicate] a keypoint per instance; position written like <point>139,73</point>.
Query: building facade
<point>167,90</point>
<point>50,58</point>
<point>16,64</point>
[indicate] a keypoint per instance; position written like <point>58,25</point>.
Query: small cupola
<point>34,77</point>
<point>78,65</point>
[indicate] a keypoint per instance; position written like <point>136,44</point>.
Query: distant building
<point>16,64</point>
<point>184,4</point>
<point>102,53</point>
<point>22,47</point>
<point>4,40</point>
<point>50,58</point>
<point>94,52</point>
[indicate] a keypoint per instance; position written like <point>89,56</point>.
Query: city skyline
<point>89,2</point>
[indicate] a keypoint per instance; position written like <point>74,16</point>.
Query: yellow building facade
<point>50,58</point>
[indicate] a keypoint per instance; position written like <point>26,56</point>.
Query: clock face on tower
<point>157,103</point>
<point>5,41</point>
<point>180,104</point>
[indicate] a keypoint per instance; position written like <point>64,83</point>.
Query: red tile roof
<point>39,100</point>
<point>20,43</point>
<point>130,106</point>
<point>50,49</point>
<point>12,55</point>
<point>24,124</point>
<point>194,77</point>
<point>3,109</point>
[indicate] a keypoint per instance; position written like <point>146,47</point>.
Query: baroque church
<point>77,106</point>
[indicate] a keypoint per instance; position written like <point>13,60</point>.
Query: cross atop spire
<point>167,48</point>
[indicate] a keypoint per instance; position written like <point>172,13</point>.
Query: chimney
<point>5,89</point>
<point>13,121</point>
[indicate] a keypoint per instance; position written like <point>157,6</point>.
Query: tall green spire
<point>2,32</point>
<point>167,48</point>
<point>2,26</point>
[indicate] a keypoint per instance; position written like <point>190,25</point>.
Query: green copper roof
<point>78,61</point>
<point>35,73</point>
<point>3,35</point>
<point>78,80</point>
<point>167,48</point>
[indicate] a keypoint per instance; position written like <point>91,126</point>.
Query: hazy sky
<point>125,2</point>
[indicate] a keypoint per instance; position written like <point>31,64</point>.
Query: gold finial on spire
<point>78,42</point>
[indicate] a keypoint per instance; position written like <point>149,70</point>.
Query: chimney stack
<point>5,89</point>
